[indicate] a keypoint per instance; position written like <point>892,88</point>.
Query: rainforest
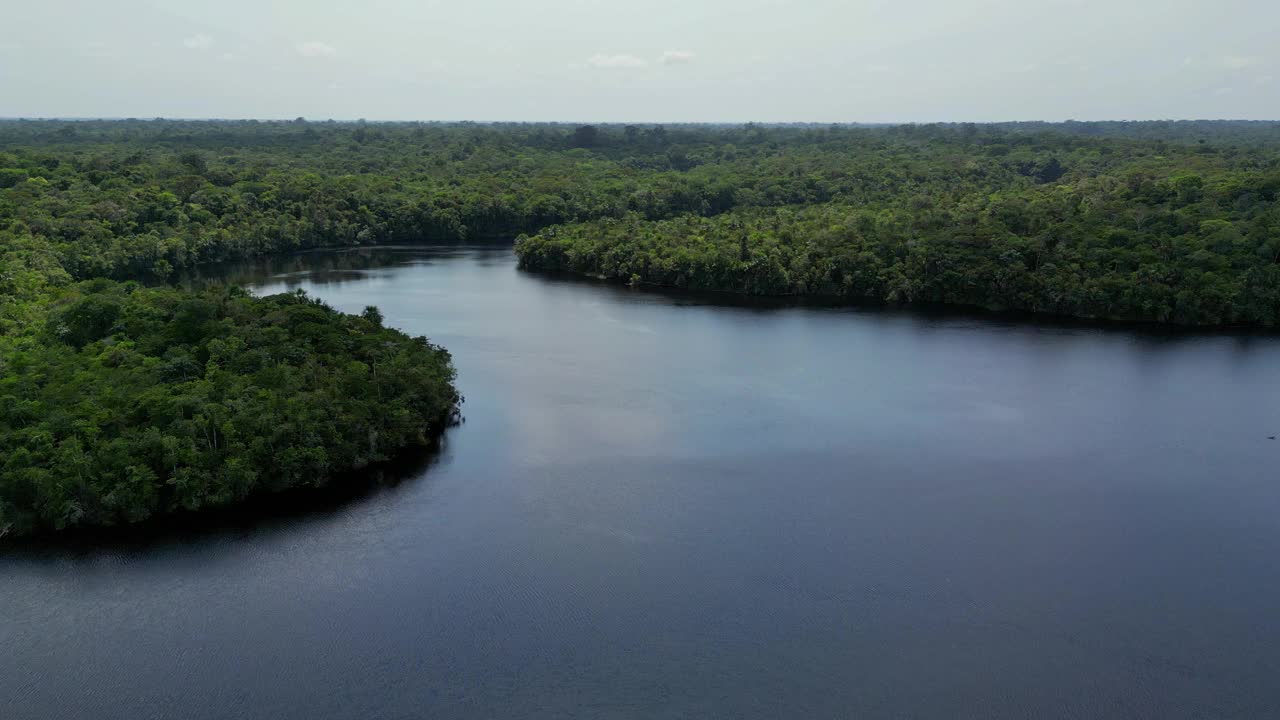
<point>125,396</point>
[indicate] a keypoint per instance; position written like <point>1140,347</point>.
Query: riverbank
<point>722,503</point>
<point>836,252</point>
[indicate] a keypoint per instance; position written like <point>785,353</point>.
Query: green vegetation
<point>1168,222</point>
<point>1146,230</point>
<point>119,401</point>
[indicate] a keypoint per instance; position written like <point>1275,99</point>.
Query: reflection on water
<point>319,268</point>
<point>673,505</point>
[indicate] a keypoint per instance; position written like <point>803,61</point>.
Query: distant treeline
<point>1111,219</point>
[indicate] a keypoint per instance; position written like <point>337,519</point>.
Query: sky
<point>642,61</point>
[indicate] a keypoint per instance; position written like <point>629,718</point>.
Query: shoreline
<point>923,308</point>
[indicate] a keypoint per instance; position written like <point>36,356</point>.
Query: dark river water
<point>661,507</point>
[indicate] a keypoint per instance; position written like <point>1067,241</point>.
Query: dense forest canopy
<point>124,402</point>
<point>121,399</point>
<point>1163,222</point>
<point>120,402</point>
<point>1160,221</point>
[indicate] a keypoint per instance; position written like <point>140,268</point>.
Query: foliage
<point>1149,231</point>
<point>119,402</point>
<point>126,402</point>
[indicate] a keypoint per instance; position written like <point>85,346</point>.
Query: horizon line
<point>140,118</point>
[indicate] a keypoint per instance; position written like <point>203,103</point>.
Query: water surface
<point>663,507</point>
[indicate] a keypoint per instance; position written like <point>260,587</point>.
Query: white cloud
<point>876,68</point>
<point>678,57</point>
<point>315,48</point>
<point>616,61</point>
<point>198,42</point>
<point>1238,62</point>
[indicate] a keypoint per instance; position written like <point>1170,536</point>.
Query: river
<point>664,506</point>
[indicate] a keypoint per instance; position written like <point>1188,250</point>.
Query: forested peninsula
<point>123,396</point>
<point>122,401</point>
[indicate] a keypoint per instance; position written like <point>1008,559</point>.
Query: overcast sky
<point>643,60</point>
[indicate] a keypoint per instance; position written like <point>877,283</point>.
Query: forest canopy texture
<point>1174,222</point>
<point>122,398</point>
